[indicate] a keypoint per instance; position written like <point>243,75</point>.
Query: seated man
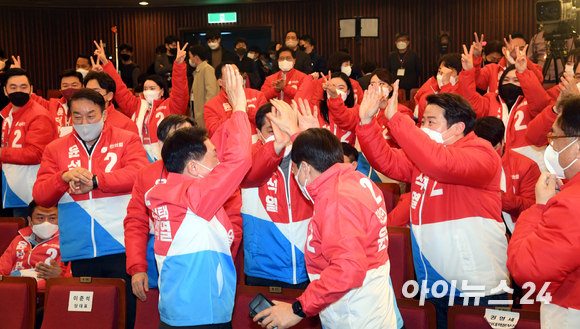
<point>90,173</point>
<point>27,254</point>
<point>519,173</point>
<point>218,109</point>
<point>545,245</point>
<point>104,84</point>
<point>286,83</point>
<point>193,234</point>
<point>346,248</point>
<point>456,240</point>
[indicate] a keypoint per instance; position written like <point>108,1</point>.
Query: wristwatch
<point>95,182</point>
<point>297,308</point>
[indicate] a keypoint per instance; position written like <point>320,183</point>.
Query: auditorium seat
<point>147,316</point>
<point>9,227</point>
<point>401,257</point>
<point>415,316</point>
<point>108,309</point>
<point>402,95</point>
<point>472,317</point>
<point>412,99</point>
<point>244,294</point>
<point>53,93</point>
<point>17,302</point>
<point>391,193</point>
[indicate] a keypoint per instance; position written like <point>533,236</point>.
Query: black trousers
<point>110,266</point>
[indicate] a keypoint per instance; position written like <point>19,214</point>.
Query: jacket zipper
<point>287,192</point>
<point>419,244</point>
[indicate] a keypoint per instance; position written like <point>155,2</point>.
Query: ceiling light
<point>143,3</point>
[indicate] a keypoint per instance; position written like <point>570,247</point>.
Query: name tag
<point>80,301</point>
<point>401,72</point>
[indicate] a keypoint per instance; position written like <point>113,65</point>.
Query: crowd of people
<point>162,178</point>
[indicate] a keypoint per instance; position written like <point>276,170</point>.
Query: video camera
<point>557,18</point>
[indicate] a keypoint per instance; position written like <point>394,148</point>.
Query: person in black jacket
<point>217,53</point>
<point>307,44</point>
<point>404,64</point>
<point>254,54</point>
<point>303,62</point>
<point>248,68</point>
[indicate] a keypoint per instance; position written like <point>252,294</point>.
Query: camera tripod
<point>556,52</point>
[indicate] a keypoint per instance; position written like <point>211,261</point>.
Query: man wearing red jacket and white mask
<point>457,232</point>
<point>285,84</point>
<point>156,103</point>
<point>218,109</point>
<point>546,242</point>
<point>26,130</point>
<point>193,233</point>
<point>90,173</point>
<point>518,176</point>
<point>35,252</point>
<point>346,248</point>
<point>104,84</point>
<point>488,77</point>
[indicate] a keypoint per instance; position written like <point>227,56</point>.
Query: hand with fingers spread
<point>181,53</point>
<point>370,104</point>
<point>281,139</point>
<point>467,58</point>
<point>393,106</point>
<point>100,52</point>
<point>47,271</point>
<point>568,85</point>
<point>329,87</point>
<point>96,66</point>
<point>522,60</point>
<point>510,50</point>
<point>477,46</point>
<point>16,63</point>
<point>235,89</point>
<point>446,73</point>
<point>284,117</point>
<point>306,118</point>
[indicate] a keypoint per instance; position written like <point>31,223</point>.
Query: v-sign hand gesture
<point>181,53</point>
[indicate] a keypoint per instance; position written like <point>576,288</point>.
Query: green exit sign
<point>222,18</point>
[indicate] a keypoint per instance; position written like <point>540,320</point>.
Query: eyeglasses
<point>551,137</point>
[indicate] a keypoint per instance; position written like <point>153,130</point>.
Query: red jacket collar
<point>319,184</point>
<point>575,180</point>
<point>6,111</point>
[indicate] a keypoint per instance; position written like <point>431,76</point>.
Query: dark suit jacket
<point>364,81</point>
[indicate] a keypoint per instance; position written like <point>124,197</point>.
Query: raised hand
<point>315,75</point>
<point>96,66</point>
<point>235,89</point>
<point>181,53</point>
<point>477,46</point>
<point>306,118</point>
<point>522,60</point>
<point>100,52</point>
<point>509,50</point>
<point>446,72</point>
<point>17,64</point>
<point>370,104</point>
<point>284,117</point>
<point>329,87</point>
<point>393,102</point>
<point>467,58</point>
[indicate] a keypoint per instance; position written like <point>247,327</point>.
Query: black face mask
<point>126,57</point>
<point>510,93</point>
<point>241,50</point>
<point>173,51</point>
<point>19,98</point>
<point>302,48</point>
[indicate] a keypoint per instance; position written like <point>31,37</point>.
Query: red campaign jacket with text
<point>318,91</point>
<point>146,117</point>
<point>446,181</point>
<point>218,110</point>
<point>545,247</point>
<point>20,255</point>
<point>520,175</point>
<point>343,120</point>
<point>346,252</point>
<point>294,81</point>
<point>540,126</point>
<point>430,87</point>
<point>487,78</point>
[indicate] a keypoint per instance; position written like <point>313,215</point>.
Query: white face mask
<point>210,170</point>
<point>90,131</point>
<point>342,94</point>
<point>435,135</point>
<point>83,72</point>
<point>251,55</point>
<point>264,63</point>
<point>578,86</point>
<point>552,161</point>
<point>213,45</point>
<point>291,44</point>
<point>266,140</point>
<point>401,45</point>
<point>151,95</point>
<point>302,188</point>
<point>191,62</point>
<point>285,65</point>
<point>272,56</point>
<point>346,70</point>
<point>453,80</point>
<point>569,69</point>
<point>385,91</point>
<point>44,230</point>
